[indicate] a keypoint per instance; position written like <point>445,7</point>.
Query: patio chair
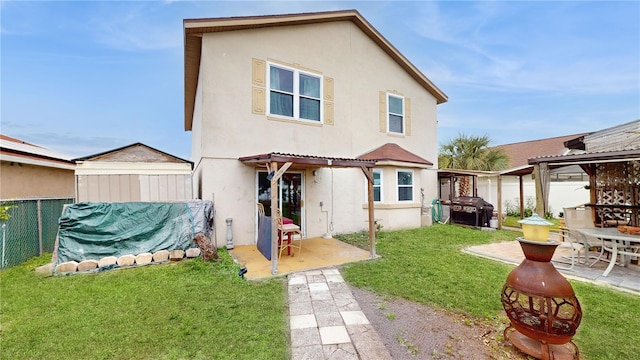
<point>576,218</point>
<point>260,209</point>
<point>288,230</point>
<point>575,246</point>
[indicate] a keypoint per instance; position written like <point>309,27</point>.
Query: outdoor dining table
<point>619,243</point>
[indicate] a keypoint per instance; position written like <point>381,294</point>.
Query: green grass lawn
<point>512,221</point>
<point>197,310</point>
<point>425,265</point>
<point>185,310</point>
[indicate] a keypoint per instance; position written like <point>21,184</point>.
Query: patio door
<point>290,195</point>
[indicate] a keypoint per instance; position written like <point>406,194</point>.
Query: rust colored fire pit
<point>541,305</point>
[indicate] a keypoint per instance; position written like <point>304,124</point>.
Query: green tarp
<point>96,230</point>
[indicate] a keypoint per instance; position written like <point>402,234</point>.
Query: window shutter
<point>259,72</point>
<point>383,111</point>
<point>407,116</point>
<point>328,101</point>
<point>328,113</point>
<point>328,88</point>
<point>258,96</point>
<point>258,101</point>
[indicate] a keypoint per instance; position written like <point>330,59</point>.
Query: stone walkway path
<point>326,321</point>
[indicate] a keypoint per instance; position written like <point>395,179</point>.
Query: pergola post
<point>275,174</point>
<point>521,188</point>
<point>368,173</point>
<point>541,174</point>
<point>499,185</point>
<point>274,222</point>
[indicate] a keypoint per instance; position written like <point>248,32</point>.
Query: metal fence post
<point>39,209</point>
<point>4,234</point>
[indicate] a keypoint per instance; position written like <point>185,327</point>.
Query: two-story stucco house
<point>327,94</point>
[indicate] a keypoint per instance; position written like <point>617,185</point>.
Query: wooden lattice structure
<point>617,193</point>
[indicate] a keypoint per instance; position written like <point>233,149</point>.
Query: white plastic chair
<point>581,217</point>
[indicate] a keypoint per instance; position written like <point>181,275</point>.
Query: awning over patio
<point>278,163</point>
<point>305,161</point>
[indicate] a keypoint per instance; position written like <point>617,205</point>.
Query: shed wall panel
<point>93,185</point>
<point>131,187</point>
<point>144,187</point>
<point>163,187</point>
<point>134,188</point>
<point>114,188</point>
<point>172,188</point>
<point>103,187</point>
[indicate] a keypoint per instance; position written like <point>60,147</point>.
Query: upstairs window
<point>395,114</point>
<point>294,93</point>
<point>405,186</point>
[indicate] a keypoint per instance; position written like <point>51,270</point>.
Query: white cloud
<point>136,27</point>
<point>525,46</point>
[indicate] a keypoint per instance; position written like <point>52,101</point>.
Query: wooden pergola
<point>614,178</point>
<point>277,164</point>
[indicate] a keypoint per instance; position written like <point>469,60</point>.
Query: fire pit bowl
<point>540,304</point>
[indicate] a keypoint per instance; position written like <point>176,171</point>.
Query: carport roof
<point>588,158</point>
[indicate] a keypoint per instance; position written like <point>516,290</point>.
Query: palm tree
<point>471,153</point>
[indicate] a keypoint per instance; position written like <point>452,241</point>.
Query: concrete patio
<point>317,253</point>
<point>621,278</point>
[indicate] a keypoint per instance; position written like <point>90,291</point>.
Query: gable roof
<point>194,28</point>
<point>521,152</point>
<point>16,150</point>
<point>137,152</point>
<point>394,153</point>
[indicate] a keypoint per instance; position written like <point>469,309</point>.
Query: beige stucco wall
<point>224,127</point>
<point>31,181</point>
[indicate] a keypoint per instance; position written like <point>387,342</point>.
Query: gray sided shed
<point>135,172</point>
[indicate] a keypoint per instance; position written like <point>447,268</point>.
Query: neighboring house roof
<point>194,28</point>
<point>137,152</point>
<point>394,153</point>
<point>16,150</point>
<point>521,152</point>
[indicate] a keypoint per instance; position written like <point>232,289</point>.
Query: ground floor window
<point>377,185</point>
<point>405,185</point>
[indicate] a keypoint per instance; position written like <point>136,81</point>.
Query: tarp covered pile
<point>96,230</point>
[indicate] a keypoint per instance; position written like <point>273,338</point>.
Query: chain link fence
<point>31,229</point>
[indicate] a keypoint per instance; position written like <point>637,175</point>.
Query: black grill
<point>472,211</point>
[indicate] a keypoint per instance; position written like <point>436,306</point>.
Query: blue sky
<point>86,77</point>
